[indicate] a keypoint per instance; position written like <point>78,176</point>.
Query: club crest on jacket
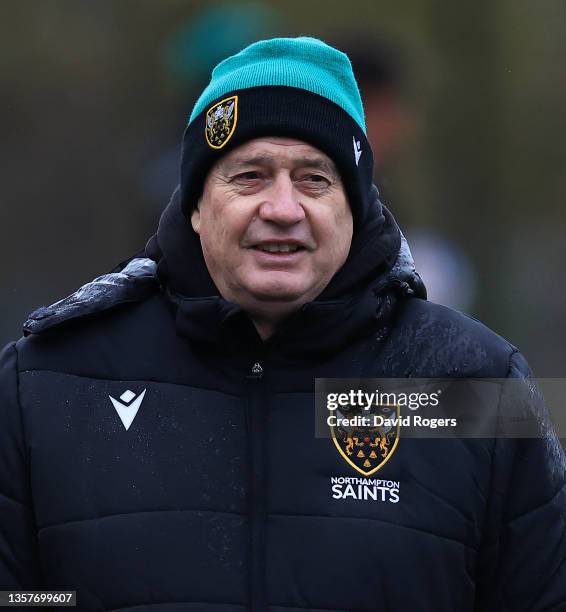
<point>221,122</point>
<point>367,439</point>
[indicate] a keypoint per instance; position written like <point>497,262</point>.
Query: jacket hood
<point>379,263</point>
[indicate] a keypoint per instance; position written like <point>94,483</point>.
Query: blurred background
<point>466,113</point>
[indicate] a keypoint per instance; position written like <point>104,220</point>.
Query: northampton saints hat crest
<point>221,120</point>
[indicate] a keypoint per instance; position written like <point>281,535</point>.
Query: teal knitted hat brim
<point>303,63</point>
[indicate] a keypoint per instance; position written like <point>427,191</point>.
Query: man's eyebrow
<point>266,160</point>
<point>320,164</point>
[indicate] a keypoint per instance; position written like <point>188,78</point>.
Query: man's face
<point>274,224</point>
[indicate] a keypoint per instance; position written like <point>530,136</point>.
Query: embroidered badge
<point>367,441</point>
<point>221,122</point>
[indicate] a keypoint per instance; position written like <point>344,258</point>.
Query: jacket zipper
<point>256,422</point>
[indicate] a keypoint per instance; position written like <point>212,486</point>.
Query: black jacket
<point>218,497</point>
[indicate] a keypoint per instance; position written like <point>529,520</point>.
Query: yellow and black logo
<point>221,122</point>
<point>367,440</point>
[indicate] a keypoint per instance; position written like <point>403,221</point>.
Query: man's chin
<point>278,296</point>
<point>288,291</point>
<point>272,291</point>
<point>276,286</point>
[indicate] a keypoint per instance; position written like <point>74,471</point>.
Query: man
<point>157,443</point>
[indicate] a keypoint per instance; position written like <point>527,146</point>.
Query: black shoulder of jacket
<point>135,282</point>
<point>428,339</point>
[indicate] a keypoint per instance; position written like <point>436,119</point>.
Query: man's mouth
<point>278,247</point>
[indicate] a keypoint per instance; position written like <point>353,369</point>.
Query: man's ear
<point>195,218</point>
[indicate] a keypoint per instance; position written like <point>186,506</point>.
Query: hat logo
<point>221,122</point>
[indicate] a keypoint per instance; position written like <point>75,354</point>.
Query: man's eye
<point>248,176</point>
<point>315,179</point>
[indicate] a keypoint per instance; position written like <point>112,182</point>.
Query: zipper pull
<point>257,370</point>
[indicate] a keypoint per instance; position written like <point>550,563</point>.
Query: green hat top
<point>303,63</point>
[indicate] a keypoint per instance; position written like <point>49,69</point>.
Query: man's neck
<point>267,317</point>
<point>265,327</point>
<point>267,324</point>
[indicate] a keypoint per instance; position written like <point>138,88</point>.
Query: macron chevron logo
<point>128,407</point>
<point>357,150</point>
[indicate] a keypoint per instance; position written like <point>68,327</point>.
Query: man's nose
<point>282,204</point>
